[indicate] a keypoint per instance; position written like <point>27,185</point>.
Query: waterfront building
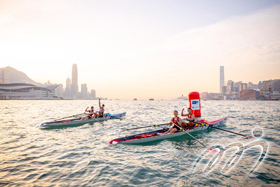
<point>67,91</point>
<point>236,85</point>
<point>59,91</point>
<point>93,94</point>
<point>224,89</point>
<point>264,83</point>
<point>27,91</point>
<point>255,86</point>
<point>276,85</point>
<point>74,85</point>
<point>244,86</point>
<point>240,87</point>
<point>230,86</point>
<point>249,94</point>
<point>84,91</point>
<point>222,78</point>
<point>206,95</point>
<point>250,85</point>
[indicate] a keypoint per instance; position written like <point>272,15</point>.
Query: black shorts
<point>178,129</point>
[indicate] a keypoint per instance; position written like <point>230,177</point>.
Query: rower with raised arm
<point>90,113</point>
<point>101,110</point>
<point>190,118</point>
<point>176,120</point>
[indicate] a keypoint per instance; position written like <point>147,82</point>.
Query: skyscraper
<point>67,93</point>
<point>93,94</point>
<point>59,90</point>
<point>230,86</point>
<point>84,91</point>
<point>222,78</point>
<point>74,86</point>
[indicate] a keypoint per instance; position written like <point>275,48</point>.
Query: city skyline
<point>174,52</point>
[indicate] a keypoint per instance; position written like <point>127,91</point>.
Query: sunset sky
<point>142,48</point>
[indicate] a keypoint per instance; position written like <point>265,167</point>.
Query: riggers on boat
<point>77,121</point>
<point>159,134</point>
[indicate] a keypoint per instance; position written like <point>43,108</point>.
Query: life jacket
<point>90,113</point>
<point>176,121</point>
<point>101,111</point>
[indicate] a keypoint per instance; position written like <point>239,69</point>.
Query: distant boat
<point>151,99</point>
<point>182,98</point>
<point>135,99</point>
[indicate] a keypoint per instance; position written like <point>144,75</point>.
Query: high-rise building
<point>68,83</point>
<point>222,78</point>
<point>244,86</point>
<point>93,94</point>
<point>74,85</point>
<point>230,86</point>
<point>67,92</point>
<point>264,83</point>
<point>276,85</point>
<point>236,85</point>
<point>84,91</point>
<point>240,87</point>
<point>224,89</point>
<point>250,85</point>
<point>59,90</point>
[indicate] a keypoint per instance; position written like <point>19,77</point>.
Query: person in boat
<point>101,111</point>
<point>190,118</point>
<point>90,113</point>
<point>176,120</point>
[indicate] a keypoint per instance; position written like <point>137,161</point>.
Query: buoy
<point>194,100</point>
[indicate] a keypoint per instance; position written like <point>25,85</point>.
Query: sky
<point>142,49</point>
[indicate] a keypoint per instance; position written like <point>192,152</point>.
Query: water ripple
<point>82,156</point>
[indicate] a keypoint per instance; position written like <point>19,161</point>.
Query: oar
<point>70,116</point>
<point>146,127</point>
<point>196,139</point>
<point>232,132</point>
<point>226,130</point>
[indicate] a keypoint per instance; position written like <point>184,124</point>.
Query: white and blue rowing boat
<point>78,121</point>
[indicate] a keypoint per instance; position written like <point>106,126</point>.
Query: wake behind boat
<point>79,121</point>
<point>159,134</point>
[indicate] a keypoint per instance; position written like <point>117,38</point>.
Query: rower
<point>191,118</point>
<point>176,121</point>
<point>90,113</point>
<point>101,111</point>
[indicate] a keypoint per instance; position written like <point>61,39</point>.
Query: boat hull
<point>77,121</point>
<point>159,134</point>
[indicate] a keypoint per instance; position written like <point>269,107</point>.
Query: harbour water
<point>82,155</point>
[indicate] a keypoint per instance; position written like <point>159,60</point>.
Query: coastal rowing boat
<point>78,121</point>
<point>159,134</point>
